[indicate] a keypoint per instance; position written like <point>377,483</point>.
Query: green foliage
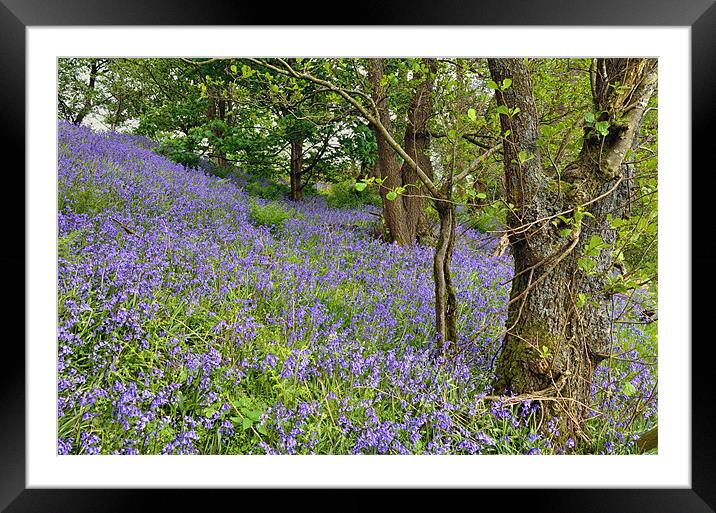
<point>268,190</point>
<point>602,128</point>
<point>67,244</point>
<point>346,194</point>
<point>360,143</point>
<point>506,83</point>
<point>271,215</point>
<point>222,171</point>
<point>484,223</point>
<point>489,218</point>
<point>523,157</point>
<point>181,150</point>
<point>86,199</point>
<point>592,126</point>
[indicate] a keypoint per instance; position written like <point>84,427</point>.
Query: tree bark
<point>648,441</point>
<point>386,164</point>
<point>416,144</point>
<point>445,299</point>
<point>552,344</point>
<point>216,110</point>
<point>89,93</point>
<point>296,169</point>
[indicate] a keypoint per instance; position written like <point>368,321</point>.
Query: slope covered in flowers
<point>186,326</point>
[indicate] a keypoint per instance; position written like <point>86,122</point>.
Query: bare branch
<point>482,158</point>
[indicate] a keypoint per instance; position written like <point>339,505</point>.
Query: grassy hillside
<point>194,318</point>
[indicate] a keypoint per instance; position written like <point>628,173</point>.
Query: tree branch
<point>372,118</point>
<point>482,158</point>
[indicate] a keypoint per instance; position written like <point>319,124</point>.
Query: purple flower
<point>177,315</point>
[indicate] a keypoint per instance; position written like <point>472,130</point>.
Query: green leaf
<point>618,222</point>
<point>481,195</point>
<point>507,133</point>
<point>252,415</point>
<point>234,69</point>
<point>506,83</point>
<point>586,264</point>
<point>502,109</point>
<point>602,127</point>
<point>360,186</point>
<point>596,242</point>
<point>524,156</point>
<point>391,195</point>
<point>589,118</point>
<point>629,389</point>
<point>492,84</point>
<point>472,114</point>
<point>565,232</point>
<point>208,412</point>
<point>246,424</point>
<point>581,299</point>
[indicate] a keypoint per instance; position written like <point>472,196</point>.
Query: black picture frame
<point>17,15</point>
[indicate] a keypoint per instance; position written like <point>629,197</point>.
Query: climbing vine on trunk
<point>559,320</point>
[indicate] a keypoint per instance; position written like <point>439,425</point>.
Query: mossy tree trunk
<point>555,338</point>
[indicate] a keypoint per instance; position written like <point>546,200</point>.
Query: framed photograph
<point>293,54</point>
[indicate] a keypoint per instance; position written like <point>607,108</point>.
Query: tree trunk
<point>416,144</point>
<point>648,441</point>
<point>117,114</point>
<point>552,346</point>
<point>479,187</point>
<point>386,164</point>
<point>221,159</point>
<point>215,107</point>
<point>445,299</point>
<point>296,169</point>
<point>89,93</point>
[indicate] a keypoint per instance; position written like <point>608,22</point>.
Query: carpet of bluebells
<point>189,325</point>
